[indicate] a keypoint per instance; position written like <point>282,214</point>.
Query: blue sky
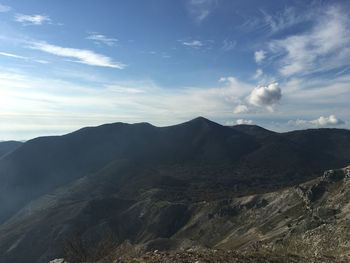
<point>66,64</point>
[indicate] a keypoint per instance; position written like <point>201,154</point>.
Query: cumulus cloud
<point>259,56</point>
<point>243,121</point>
<point>80,55</point>
<point>4,8</point>
<point>32,19</point>
<point>331,120</point>
<point>241,109</point>
<point>102,39</point>
<point>201,9</point>
<point>322,121</point>
<point>265,96</point>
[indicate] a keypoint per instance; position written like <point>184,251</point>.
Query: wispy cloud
<point>259,56</point>
<point>284,19</point>
<point>201,9</point>
<point>241,109</point>
<point>197,43</point>
<point>52,106</point>
<point>325,46</point>
<point>258,73</point>
<point>4,8</point>
<point>32,19</point>
<point>272,23</point>
<point>229,45</point>
<point>5,54</point>
<point>11,55</point>
<point>193,43</point>
<point>83,56</point>
<point>102,39</point>
<point>53,101</point>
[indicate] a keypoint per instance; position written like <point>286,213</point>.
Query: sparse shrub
<point>78,249</point>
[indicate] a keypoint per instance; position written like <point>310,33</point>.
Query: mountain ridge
<point>104,178</point>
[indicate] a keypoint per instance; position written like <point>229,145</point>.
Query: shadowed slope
<point>7,147</point>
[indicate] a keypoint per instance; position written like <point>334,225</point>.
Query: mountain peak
<point>202,120</point>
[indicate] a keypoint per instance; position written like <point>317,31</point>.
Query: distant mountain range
<point>142,183</point>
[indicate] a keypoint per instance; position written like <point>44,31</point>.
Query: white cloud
<point>47,102</point>
<point>11,55</point>
<point>259,56</point>
<point>241,109</point>
<point>4,8</point>
<point>332,120</point>
<point>102,39</point>
<point>193,43</point>
<point>243,121</point>
<point>272,23</point>
<point>287,18</point>
<point>33,106</point>
<point>201,9</point>
<point>123,89</point>
<point>5,54</point>
<point>237,87</point>
<point>322,121</point>
<point>265,96</point>
<point>324,47</point>
<point>259,73</point>
<point>32,19</point>
<point>81,55</point>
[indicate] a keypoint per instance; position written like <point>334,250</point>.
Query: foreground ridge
<point>304,223</point>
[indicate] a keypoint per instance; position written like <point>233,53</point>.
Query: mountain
<point>45,163</point>
<point>7,147</point>
<point>144,183</point>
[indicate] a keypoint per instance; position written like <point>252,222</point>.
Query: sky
<point>283,65</point>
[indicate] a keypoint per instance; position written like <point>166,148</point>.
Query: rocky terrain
<point>223,256</point>
<point>193,185</point>
<point>305,223</point>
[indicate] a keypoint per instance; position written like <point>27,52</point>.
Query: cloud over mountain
<point>322,121</point>
<point>243,121</point>
<point>239,109</point>
<point>265,96</point>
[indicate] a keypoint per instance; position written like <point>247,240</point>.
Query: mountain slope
<point>7,147</point>
<point>45,163</point>
<point>299,220</point>
<point>140,182</point>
